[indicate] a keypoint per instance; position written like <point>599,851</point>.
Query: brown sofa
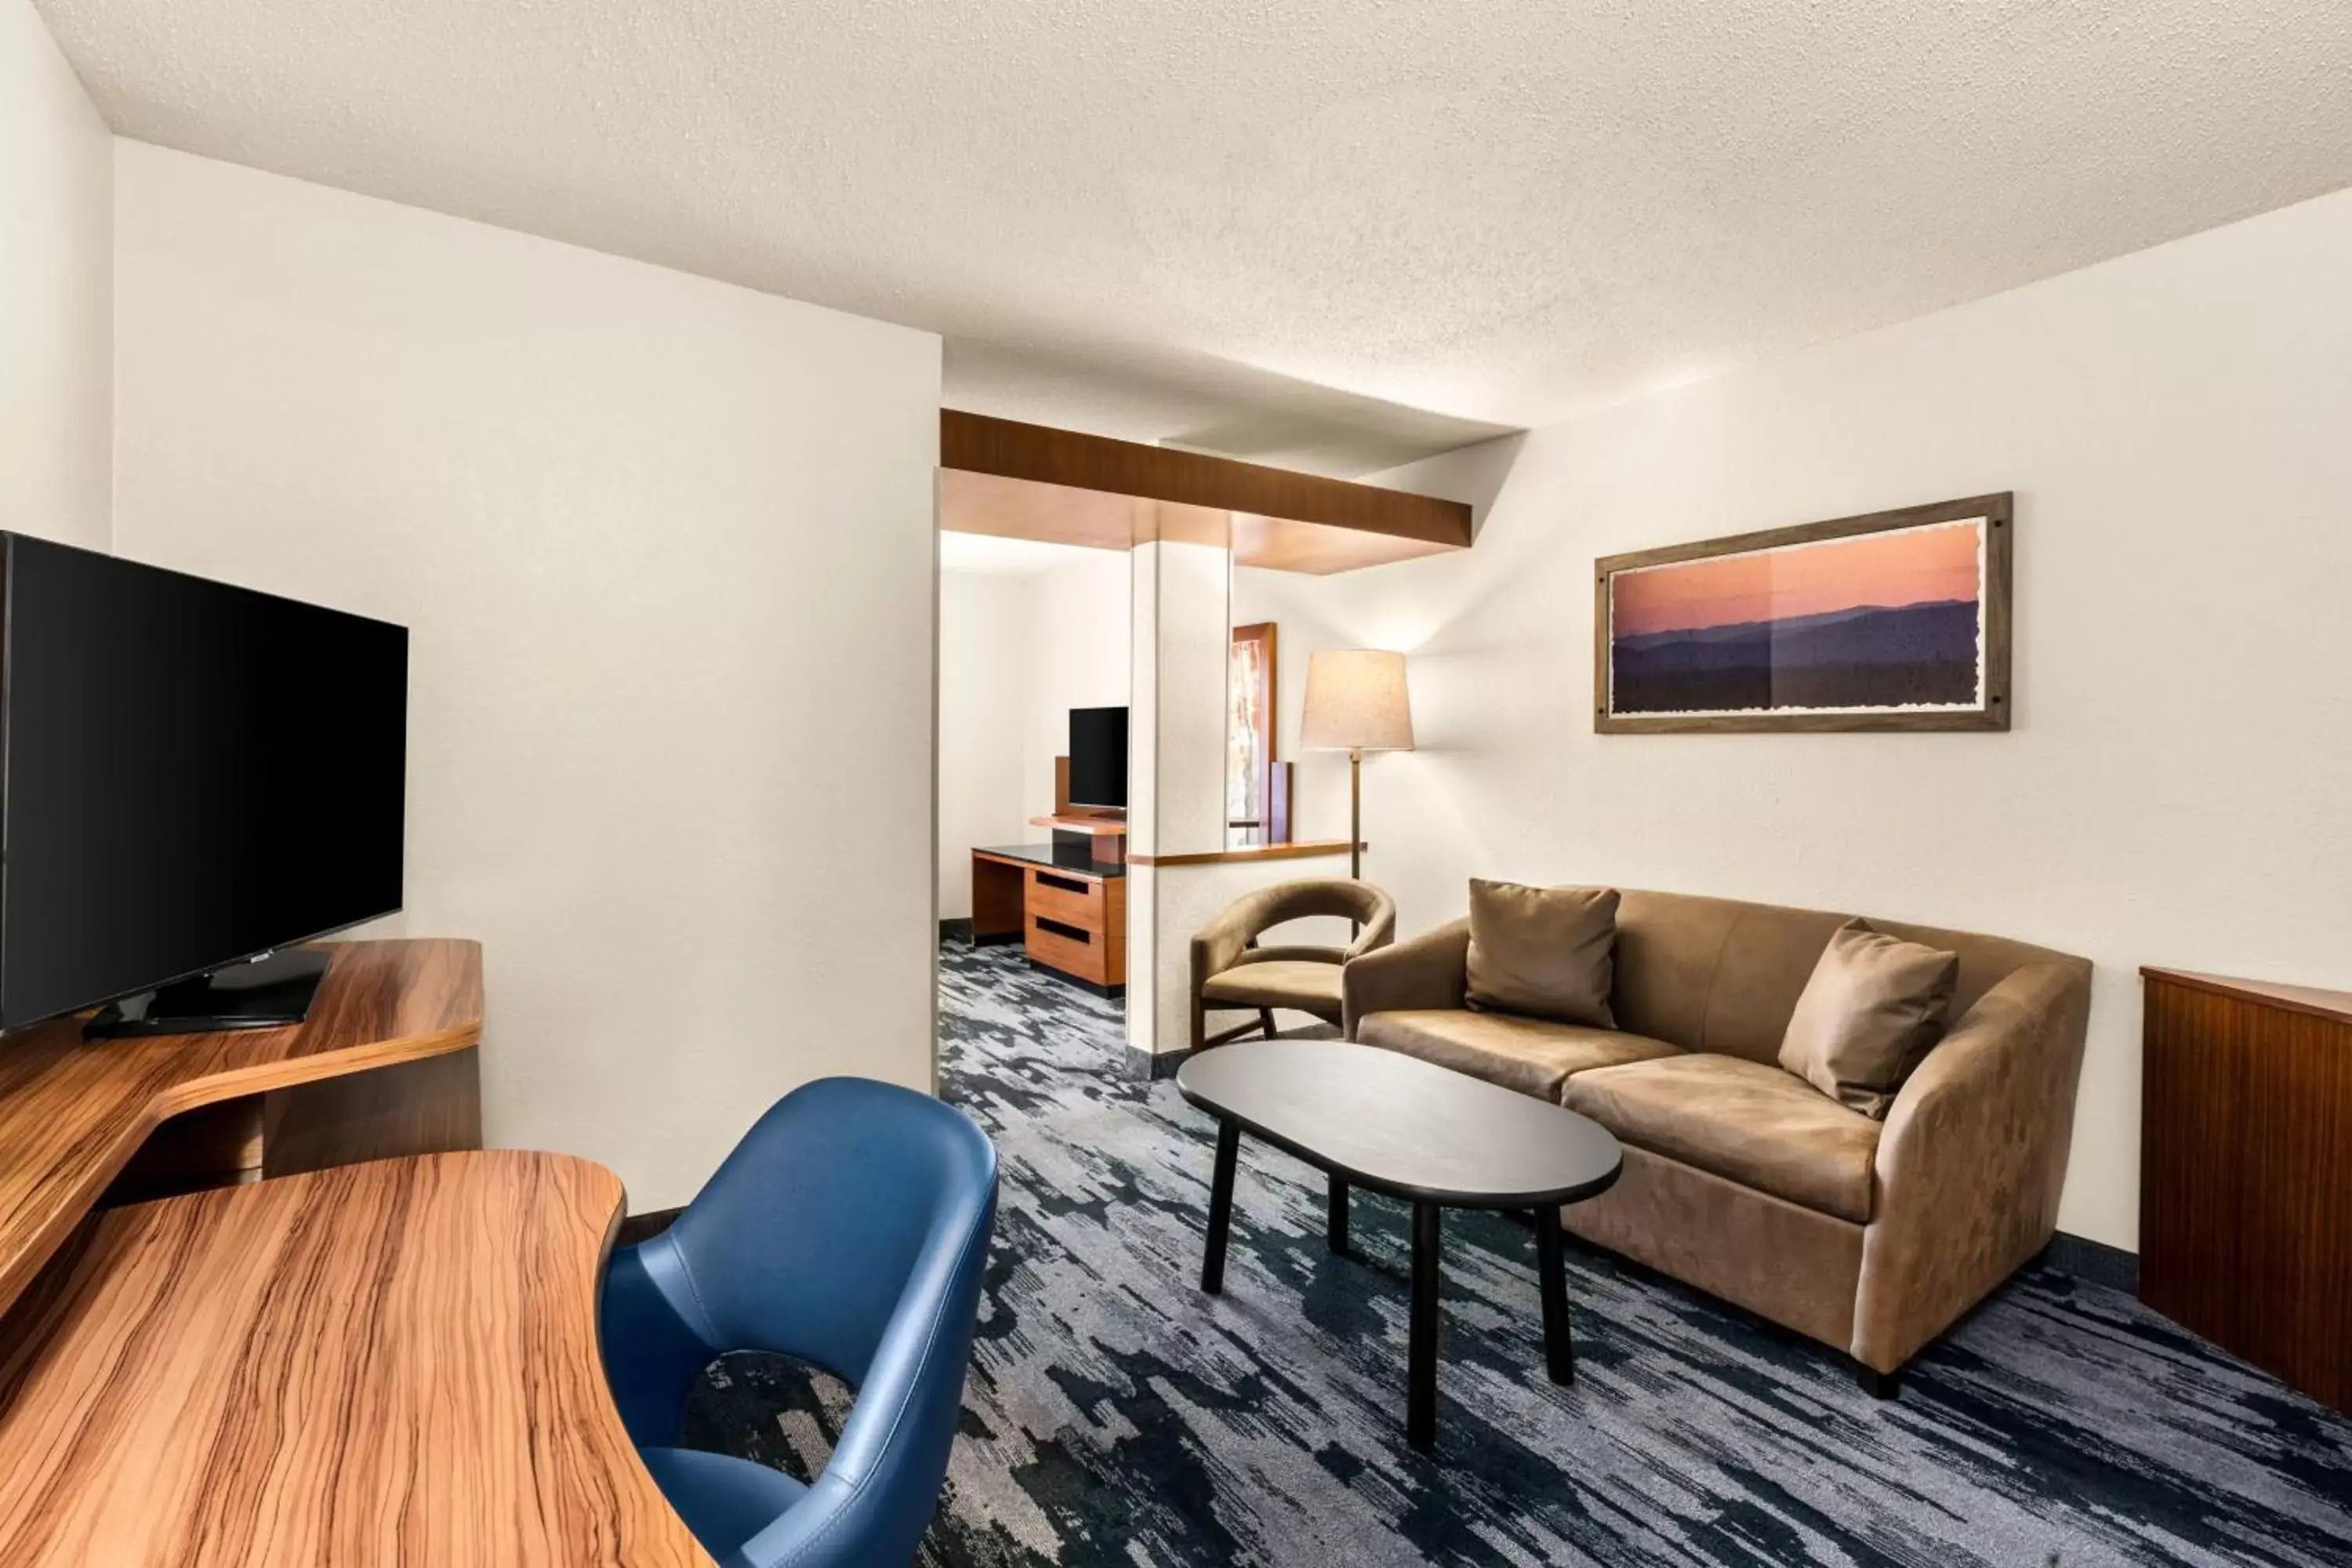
<point>1743,1179</point>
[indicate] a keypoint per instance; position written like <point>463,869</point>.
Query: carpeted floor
<point>1117,1416</point>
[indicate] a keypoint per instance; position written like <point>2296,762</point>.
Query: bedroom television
<point>193,777</point>
<point>1099,757</point>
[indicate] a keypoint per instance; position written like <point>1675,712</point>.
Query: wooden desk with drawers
<point>1068,910</point>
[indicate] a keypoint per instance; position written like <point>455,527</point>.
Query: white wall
<point>56,291</point>
<point>2178,427</point>
<point>1181,632</point>
<point>1176,774</point>
<point>1017,652</point>
<point>666,549</point>
<point>1078,657</point>
<point>984,690</point>
<point>1297,606</point>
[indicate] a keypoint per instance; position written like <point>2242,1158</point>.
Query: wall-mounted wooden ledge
<point>2335,1006</point>
<point>1100,826</point>
<point>1302,849</point>
<point>73,1111</point>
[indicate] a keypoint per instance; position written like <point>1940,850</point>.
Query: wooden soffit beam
<point>983,444</point>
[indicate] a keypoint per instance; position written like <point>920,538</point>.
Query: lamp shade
<point>1356,701</point>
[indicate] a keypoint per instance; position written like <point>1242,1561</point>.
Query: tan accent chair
<point>1230,969</point>
<point>1745,1180</point>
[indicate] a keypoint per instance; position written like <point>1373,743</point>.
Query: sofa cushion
<point>1668,945</point>
<point>1534,1056</point>
<point>1277,983</point>
<point>1721,976</point>
<point>1543,952</point>
<point>1984,961</point>
<point>1744,1121</point>
<point>1874,1006</point>
<point>1767,958</point>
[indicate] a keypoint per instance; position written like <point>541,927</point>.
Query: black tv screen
<point>193,774</point>
<point>1098,756</point>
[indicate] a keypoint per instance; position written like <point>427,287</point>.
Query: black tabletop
<point>1078,857</point>
<point>1397,1124</point>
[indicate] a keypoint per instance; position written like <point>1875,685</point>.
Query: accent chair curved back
<point>1359,902</point>
<point>849,1228</point>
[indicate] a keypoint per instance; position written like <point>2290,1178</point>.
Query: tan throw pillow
<point>1544,951</point>
<point>1874,1005</point>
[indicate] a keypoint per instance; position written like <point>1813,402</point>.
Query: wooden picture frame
<point>1262,639</point>
<point>1664,681</point>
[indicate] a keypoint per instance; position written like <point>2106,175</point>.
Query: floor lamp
<point>1356,703</point>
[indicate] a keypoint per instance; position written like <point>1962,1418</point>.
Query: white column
<point>1176,769</point>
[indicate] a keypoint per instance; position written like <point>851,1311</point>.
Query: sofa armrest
<point>1972,1160</point>
<point>1430,970</point>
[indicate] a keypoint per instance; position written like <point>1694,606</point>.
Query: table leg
<point>1421,1354</point>
<point>1335,1227</point>
<point>1221,1206</point>
<point>1551,1278</point>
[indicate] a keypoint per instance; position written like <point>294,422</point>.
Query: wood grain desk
<point>386,1363</point>
<point>75,1113</point>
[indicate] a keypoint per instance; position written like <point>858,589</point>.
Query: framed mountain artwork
<point>1897,620</point>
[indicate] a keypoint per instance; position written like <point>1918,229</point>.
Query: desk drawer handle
<point>1066,932</point>
<point>1064,884</point>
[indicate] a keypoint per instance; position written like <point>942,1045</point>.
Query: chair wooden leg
<point>1266,1021</point>
<point>1879,1385</point>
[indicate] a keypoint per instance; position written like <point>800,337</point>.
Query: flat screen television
<point>1099,757</point>
<point>191,775</point>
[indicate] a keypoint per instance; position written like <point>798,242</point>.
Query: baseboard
<point>1146,1067</point>
<point>2094,1261</point>
<point>637,1227</point>
<point>956,931</point>
<point>1107,993</point>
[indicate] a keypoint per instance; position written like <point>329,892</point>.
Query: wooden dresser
<point>2246,1171</point>
<point>1068,910</point>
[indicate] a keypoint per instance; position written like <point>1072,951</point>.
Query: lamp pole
<point>1355,814</point>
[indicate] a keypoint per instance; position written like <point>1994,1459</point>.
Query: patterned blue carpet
<point>1117,1416</point>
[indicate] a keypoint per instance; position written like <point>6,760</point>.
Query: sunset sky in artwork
<point>1911,567</point>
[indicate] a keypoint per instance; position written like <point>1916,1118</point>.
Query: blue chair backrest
<point>849,1228</point>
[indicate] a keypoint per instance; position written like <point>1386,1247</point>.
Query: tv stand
<point>1065,902</point>
<point>272,992</point>
<point>1066,908</point>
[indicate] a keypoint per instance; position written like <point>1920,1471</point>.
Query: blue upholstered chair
<point>849,1228</point>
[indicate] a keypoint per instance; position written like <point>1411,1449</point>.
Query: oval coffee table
<point>1436,1138</point>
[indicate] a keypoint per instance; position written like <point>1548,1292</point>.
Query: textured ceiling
<point>1323,232</point>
